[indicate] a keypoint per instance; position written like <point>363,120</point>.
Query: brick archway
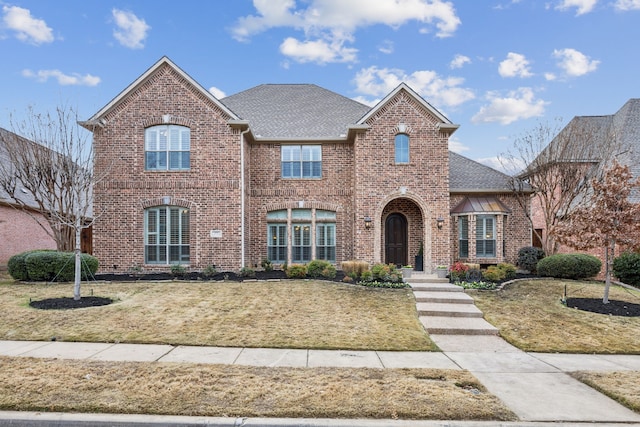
<point>414,231</point>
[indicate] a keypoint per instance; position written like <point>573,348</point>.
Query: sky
<point>497,68</point>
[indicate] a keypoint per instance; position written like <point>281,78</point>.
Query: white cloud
<point>440,91</point>
<point>575,63</point>
<point>456,146</point>
<point>131,31</point>
<point>27,28</point>
<point>516,65</point>
<point>328,24</point>
<point>74,79</point>
<point>517,105</point>
<point>319,51</point>
<point>550,77</point>
<point>582,6</point>
<point>625,5</point>
<point>386,47</point>
<point>219,94</point>
<point>459,61</point>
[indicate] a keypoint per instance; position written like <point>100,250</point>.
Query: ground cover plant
<point>244,391</point>
<point>531,315</point>
<point>282,314</point>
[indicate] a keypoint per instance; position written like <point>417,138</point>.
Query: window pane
<point>301,214</point>
<point>174,140</point>
<point>281,214</point>
<point>186,139</point>
<point>306,170</point>
<point>321,214</point>
<point>402,148</point>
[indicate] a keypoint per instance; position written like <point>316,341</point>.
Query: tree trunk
<point>78,258</point>
<point>608,257</point>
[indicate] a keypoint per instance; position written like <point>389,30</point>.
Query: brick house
<point>590,144</point>
<point>289,172</point>
<point>23,225</point>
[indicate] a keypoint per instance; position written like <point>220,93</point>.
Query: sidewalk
<point>533,385</point>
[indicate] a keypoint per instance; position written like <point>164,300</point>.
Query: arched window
<point>166,235</point>
<point>402,148</point>
<point>167,147</point>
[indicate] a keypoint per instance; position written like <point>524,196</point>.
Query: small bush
<point>386,273</point>
<point>626,268</point>
<point>296,271</point>
<point>367,276</point>
<point>509,270</point>
<point>17,265</point>
<point>458,271</point>
<point>58,266</point>
<point>247,272</point>
<point>347,279</point>
<point>494,274</point>
<point>569,266</point>
<point>329,272</point>
<point>528,258</point>
<point>178,270</point>
<point>316,267</point>
<point>355,269</point>
<point>266,264</point>
<point>209,271</point>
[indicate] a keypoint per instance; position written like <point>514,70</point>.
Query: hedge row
<point>49,266</point>
<point>569,266</point>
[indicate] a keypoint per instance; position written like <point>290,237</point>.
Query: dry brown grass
<point>287,314</point>
<point>623,387</point>
<point>234,391</point>
<point>530,316</point>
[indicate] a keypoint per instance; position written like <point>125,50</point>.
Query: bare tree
<point>610,218</point>
<point>49,163</point>
<point>558,165</point>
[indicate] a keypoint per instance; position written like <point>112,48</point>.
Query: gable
<point>148,78</point>
<point>404,93</point>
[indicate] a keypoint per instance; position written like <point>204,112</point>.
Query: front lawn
<point>531,316</point>
<point>283,314</point>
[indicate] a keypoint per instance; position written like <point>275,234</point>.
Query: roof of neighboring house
<point>610,136</point>
<point>466,175</point>
<point>5,164</point>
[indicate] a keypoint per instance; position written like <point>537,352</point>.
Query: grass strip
<point>233,391</point>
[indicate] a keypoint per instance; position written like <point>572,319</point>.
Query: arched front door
<point>396,239</point>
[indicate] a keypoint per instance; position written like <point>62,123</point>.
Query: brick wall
<point>20,232</point>
<point>210,189</point>
<point>424,181</point>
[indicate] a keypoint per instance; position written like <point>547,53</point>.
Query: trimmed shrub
<point>509,270</point>
<point>569,266</point>
<point>266,264</point>
<point>209,271</point>
<point>367,276</point>
<point>528,258</point>
<point>17,265</point>
<point>329,272</point>
<point>58,266</point>
<point>626,268</point>
<point>178,270</point>
<point>315,268</point>
<point>296,271</point>
<point>494,274</point>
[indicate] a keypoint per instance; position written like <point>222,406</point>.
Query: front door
<point>396,239</point>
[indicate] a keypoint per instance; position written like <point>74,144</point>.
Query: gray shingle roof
<point>295,111</point>
<point>466,175</point>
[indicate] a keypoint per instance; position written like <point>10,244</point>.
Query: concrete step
<point>457,326</point>
<point>448,310</point>
<point>425,279</point>
<point>436,287</point>
<point>443,297</point>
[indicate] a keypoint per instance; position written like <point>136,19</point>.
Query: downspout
<point>242,197</point>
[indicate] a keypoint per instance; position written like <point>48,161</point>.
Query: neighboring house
<point>20,229</point>
<point>292,173</point>
<point>607,138</point>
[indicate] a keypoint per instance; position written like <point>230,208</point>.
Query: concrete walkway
<point>535,386</point>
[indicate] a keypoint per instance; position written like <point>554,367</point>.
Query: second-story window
<point>167,147</point>
<point>301,161</point>
<point>402,148</point>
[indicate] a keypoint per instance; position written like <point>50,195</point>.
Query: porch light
<point>367,222</point>
<point>440,222</point>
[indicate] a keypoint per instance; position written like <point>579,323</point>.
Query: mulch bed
<point>69,303</point>
<point>613,308</point>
